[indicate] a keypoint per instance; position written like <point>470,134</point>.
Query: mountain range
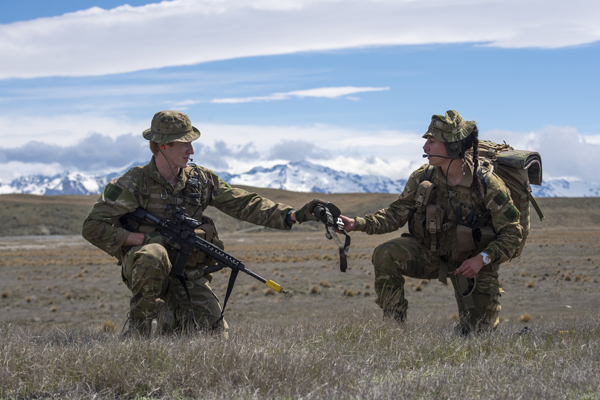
<point>300,176</point>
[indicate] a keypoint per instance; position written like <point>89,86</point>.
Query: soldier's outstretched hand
<point>349,223</point>
<point>306,212</point>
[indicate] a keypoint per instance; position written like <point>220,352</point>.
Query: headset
<point>455,149</point>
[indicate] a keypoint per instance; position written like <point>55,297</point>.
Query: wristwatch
<point>288,218</point>
<point>486,259</point>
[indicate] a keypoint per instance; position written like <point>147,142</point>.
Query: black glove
<point>305,213</point>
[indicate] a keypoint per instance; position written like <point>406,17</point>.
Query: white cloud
<point>565,153</point>
<point>16,169</point>
<point>183,105</point>
<point>187,32</point>
<point>325,92</point>
<point>65,130</point>
<point>591,139</point>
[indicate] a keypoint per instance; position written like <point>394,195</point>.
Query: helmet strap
<point>169,164</point>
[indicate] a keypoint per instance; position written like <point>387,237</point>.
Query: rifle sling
<point>187,292</point>
<point>343,248</point>
<point>535,205</point>
<point>230,284</point>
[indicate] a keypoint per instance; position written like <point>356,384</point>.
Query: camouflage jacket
<point>453,205</point>
<point>198,188</point>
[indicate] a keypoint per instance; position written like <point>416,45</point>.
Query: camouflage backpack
<point>518,169</point>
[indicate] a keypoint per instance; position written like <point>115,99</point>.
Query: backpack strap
<point>484,176</point>
<point>533,202</point>
<point>428,173</point>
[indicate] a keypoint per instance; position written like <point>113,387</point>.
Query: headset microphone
<point>434,155</point>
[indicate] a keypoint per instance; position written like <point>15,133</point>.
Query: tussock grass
<point>525,317</point>
<point>315,289</point>
<point>357,356</point>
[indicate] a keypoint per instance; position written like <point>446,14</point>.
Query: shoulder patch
<point>511,213</point>
<point>500,198</point>
<point>113,192</point>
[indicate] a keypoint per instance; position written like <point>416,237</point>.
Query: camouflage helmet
<point>171,126</point>
<point>449,128</point>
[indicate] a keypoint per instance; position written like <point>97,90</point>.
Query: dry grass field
<point>63,304</point>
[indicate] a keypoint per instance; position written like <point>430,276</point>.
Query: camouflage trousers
<point>406,256</point>
<point>146,273</point>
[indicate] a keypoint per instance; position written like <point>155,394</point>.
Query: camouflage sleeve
<point>505,219</point>
<point>248,206</point>
<point>100,227</point>
<point>397,213</point>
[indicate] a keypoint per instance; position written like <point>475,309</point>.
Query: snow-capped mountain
<point>65,183</point>
<point>301,176</point>
<point>566,188</point>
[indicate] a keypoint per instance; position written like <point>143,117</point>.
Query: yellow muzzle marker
<point>277,287</point>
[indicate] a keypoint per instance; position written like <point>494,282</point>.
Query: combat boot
<point>137,327</point>
<point>394,315</point>
<point>461,330</point>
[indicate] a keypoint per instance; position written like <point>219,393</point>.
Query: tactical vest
<point>161,202</point>
<point>449,220</point>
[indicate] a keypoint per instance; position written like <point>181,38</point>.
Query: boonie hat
<point>449,128</point>
<point>171,126</point>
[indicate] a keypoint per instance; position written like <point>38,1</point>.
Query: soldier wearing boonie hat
<point>171,126</point>
<point>443,202</point>
<point>450,128</point>
<point>163,185</point>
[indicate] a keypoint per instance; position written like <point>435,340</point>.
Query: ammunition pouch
<point>433,223</point>
<point>466,242</point>
<point>471,241</point>
<point>425,196</point>
<point>484,236</point>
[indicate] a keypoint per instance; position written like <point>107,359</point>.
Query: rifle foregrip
<point>179,264</point>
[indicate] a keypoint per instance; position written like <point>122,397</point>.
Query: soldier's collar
<point>154,174</point>
<point>467,180</point>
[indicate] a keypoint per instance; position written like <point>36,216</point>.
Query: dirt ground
<point>64,282</point>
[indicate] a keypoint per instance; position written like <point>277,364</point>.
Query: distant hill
<point>23,214</point>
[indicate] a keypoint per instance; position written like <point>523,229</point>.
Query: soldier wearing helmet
<point>167,182</point>
<point>462,226</point>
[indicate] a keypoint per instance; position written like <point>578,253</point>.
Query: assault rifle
<point>181,235</point>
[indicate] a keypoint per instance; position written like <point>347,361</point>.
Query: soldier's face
<point>179,154</point>
<point>434,147</point>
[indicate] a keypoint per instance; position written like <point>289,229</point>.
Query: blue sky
<point>350,84</point>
